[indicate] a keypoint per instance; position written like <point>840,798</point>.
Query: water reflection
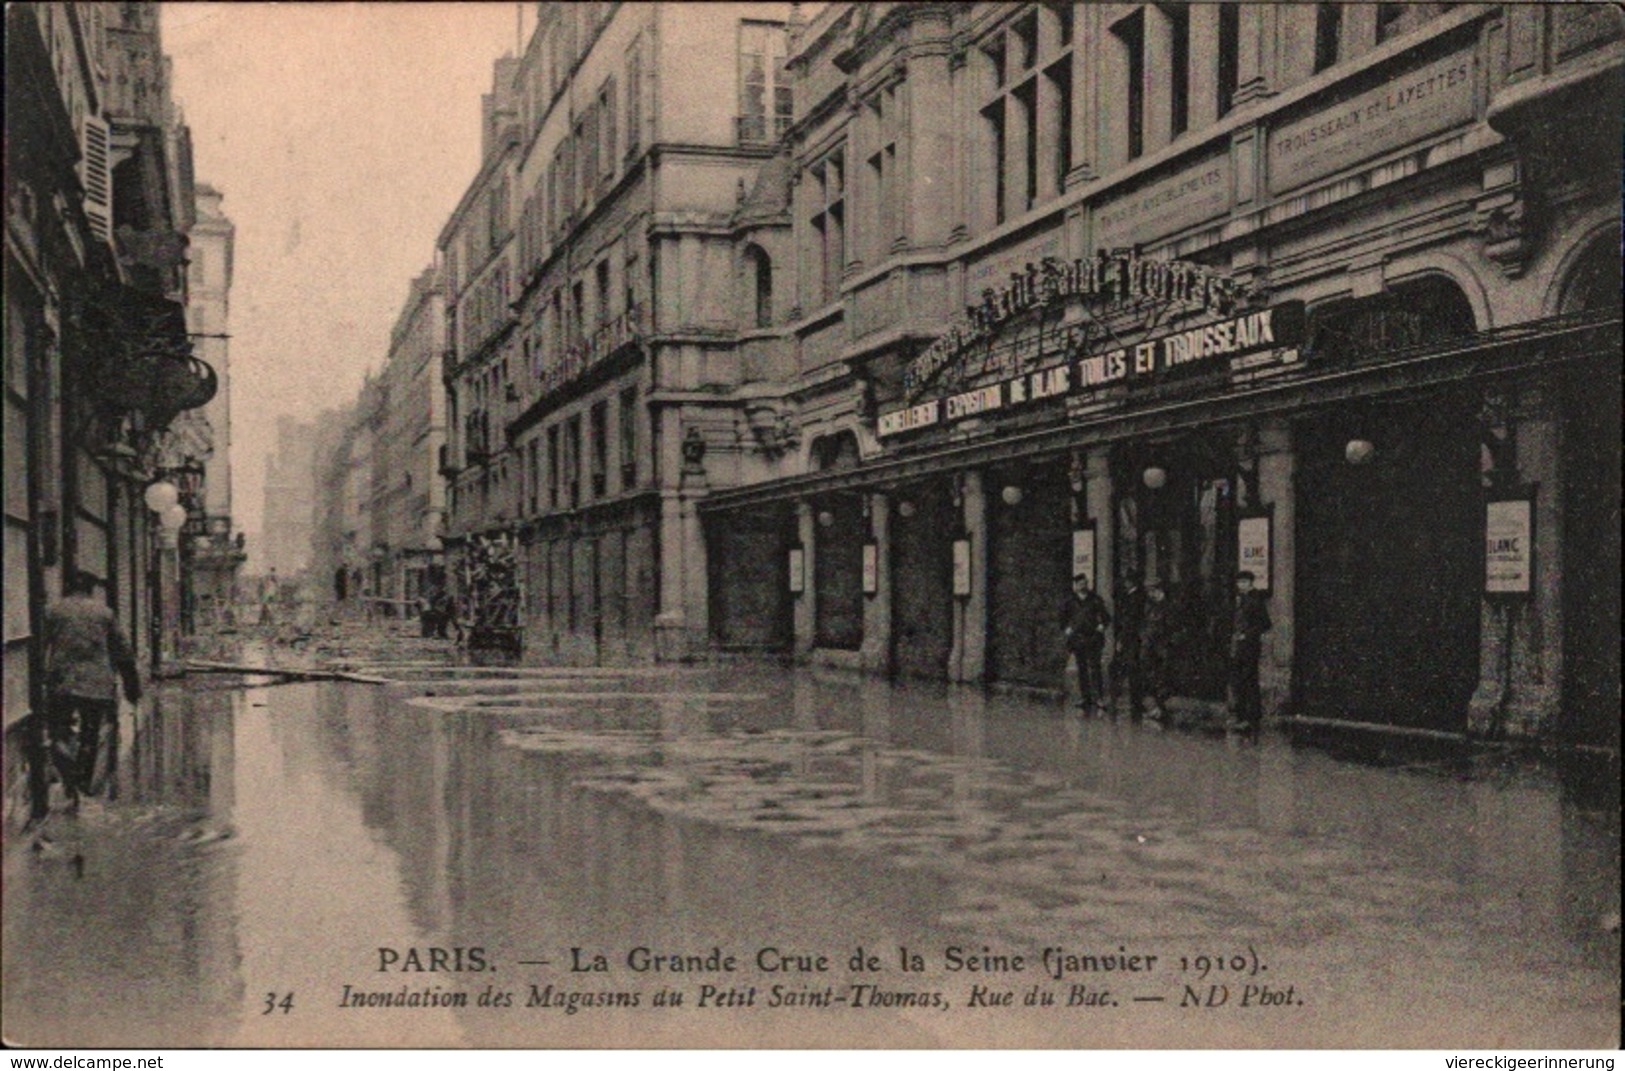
<point>270,841</point>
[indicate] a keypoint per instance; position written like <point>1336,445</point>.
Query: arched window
<point>1594,283</point>
<point>759,266</point>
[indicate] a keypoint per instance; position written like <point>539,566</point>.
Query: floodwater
<point>270,846</point>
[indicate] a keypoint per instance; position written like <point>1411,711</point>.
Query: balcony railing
<point>577,360</point>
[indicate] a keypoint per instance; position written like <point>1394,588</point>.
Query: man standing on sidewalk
<point>1086,618</point>
<point>84,648</point>
<point>1252,620</point>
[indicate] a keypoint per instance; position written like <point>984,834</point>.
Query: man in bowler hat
<point>1086,619</point>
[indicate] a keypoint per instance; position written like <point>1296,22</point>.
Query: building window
<point>1060,80</point>
<point>1028,122</point>
<point>1130,33</point>
<point>1179,63</point>
<point>760,268</point>
<point>533,480</point>
<point>598,435</point>
<point>554,464</point>
<point>629,284</point>
<point>1229,56</point>
<point>606,131</point>
<point>829,225</point>
<point>883,188</point>
<point>765,100</point>
<point>629,438</point>
<point>634,96</point>
<point>572,462</point>
<point>601,278</point>
<point>1328,29</point>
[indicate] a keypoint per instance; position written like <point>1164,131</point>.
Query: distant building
<point>290,496</point>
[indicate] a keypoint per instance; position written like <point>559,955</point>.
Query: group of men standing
<point>1144,630</point>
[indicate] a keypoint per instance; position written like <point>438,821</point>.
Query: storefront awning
<point>1501,352</point>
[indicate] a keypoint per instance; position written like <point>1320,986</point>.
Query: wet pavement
<point>272,840</point>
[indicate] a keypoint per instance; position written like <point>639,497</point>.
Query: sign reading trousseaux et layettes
<point>1187,348</point>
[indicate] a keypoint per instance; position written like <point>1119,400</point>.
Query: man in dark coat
<point>87,657</point>
<point>1251,621</point>
<point>1156,641</point>
<point>1128,660</point>
<point>1085,619</point>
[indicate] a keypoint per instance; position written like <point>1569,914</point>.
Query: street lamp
<point>163,499</point>
<point>161,495</point>
<point>1011,495</point>
<point>1359,451</point>
<point>1155,476</point>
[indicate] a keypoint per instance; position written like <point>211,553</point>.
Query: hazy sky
<point>342,136</point>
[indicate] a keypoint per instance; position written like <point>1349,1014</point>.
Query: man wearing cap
<point>1085,618</point>
<point>1251,621</point>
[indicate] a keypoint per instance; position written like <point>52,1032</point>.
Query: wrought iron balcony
<point>609,339</point>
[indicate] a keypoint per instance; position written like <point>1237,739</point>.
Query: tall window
<point>765,101</point>
<point>533,480</point>
<point>629,284</point>
<point>1130,32</point>
<point>554,466</point>
<point>634,96</point>
<point>1328,31</point>
<point>598,437</point>
<point>759,268</point>
<point>1179,62</point>
<point>1229,56</point>
<point>629,438</point>
<point>829,225</point>
<point>601,280</point>
<point>1028,120</point>
<point>883,214</point>
<point>572,462</point>
<point>606,131</point>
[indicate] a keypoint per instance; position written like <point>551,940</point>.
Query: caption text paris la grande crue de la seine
<point>574,978</point>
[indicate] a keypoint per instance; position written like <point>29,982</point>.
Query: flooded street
<point>271,843</point>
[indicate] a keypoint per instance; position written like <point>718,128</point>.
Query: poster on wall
<point>961,567</point>
<point>1253,549</point>
<point>1083,553</point>
<point>1508,547</point>
<point>797,570</point>
<point>871,569</point>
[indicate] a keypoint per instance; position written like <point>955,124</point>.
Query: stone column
<point>806,603</point>
<point>1204,74</point>
<point>1111,98</point>
<point>1098,495</point>
<point>1256,61</point>
<point>1277,465</point>
<point>969,659</point>
<point>670,624</point>
<point>1521,640</point>
<point>875,655</point>
<point>1085,90</point>
<point>925,151</point>
<point>1159,61</point>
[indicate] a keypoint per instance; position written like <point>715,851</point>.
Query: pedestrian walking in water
<point>1251,621</point>
<point>1085,618</point>
<point>87,657</point>
<point>1128,671</point>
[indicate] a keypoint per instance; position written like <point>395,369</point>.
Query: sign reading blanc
<point>1187,349</point>
<point>1408,108</point>
<point>1509,547</point>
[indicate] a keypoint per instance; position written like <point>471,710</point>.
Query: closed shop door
<point>1390,562</point>
<point>838,572</point>
<point>1029,581</point>
<point>748,567</point>
<point>923,523</point>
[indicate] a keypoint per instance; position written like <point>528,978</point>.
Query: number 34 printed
<point>277,1001</point>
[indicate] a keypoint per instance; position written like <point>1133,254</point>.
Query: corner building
<point>596,367</point>
<point>1328,291</point>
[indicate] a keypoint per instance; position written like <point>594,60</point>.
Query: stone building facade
<point>598,369</point>
<point>1326,291</point>
<point>98,364</point>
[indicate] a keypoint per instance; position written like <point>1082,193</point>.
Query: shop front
<point>925,520</point>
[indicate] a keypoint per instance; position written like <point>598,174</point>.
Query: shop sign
<point>1192,196</point>
<point>1509,548</point>
<point>1083,553</point>
<point>961,567</point>
<point>1423,102</point>
<point>1106,279</point>
<point>871,569</point>
<point>798,581</point>
<point>1253,549</point>
<point>1279,327</point>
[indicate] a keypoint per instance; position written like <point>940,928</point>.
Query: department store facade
<point>1326,292</point>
